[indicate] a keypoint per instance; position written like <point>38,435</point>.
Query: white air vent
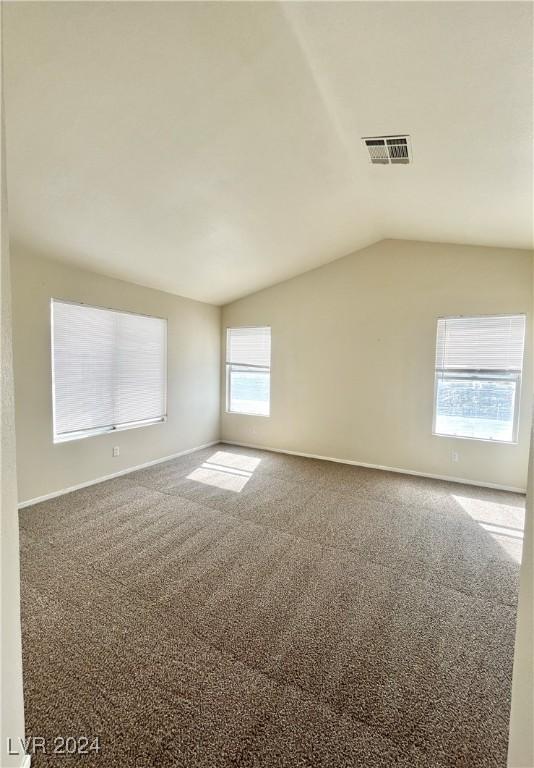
<point>389,150</point>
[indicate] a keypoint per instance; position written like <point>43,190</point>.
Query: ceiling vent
<point>389,150</point>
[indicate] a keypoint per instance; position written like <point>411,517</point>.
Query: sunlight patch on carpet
<point>225,470</point>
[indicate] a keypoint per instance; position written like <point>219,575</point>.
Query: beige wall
<point>521,743</point>
<point>353,347</point>
<point>12,725</point>
<point>193,376</point>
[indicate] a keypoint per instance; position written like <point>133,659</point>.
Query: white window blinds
<point>480,343</point>
<point>249,346</point>
<point>109,369</point>
<point>248,371</point>
<point>478,377</point>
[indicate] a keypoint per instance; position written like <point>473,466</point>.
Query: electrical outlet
<point>455,457</point>
<point>116,450</point>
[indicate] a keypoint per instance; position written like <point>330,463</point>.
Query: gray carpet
<point>242,608</point>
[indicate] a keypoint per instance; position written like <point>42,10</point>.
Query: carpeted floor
<point>242,608</point>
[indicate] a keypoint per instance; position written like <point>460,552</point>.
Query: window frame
<point>481,374</point>
<point>244,367</point>
<point>57,439</point>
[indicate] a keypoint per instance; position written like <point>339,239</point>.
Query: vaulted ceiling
<point>211,149</point>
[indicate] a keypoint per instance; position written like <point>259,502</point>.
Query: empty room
<point>267,384</point>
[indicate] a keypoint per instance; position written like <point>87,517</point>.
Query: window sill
<point>476,439</point>
<point>58,439</point>
<point>243,413</point>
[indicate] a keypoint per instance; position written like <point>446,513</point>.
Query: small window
<point>479,361</point>
<point>248,371</point>
<point>109,370</point>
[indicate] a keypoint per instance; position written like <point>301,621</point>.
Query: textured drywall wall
<point>193,339</point>
<point>353,348</point>
<point>12,726</point>
<point>521,743</point>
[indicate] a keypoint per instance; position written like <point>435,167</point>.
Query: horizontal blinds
<point>249,346</point>
<point>109,368</point>
<point>481,343</point>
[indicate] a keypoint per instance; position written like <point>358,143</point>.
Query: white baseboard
<point>496,486</point>
<point>63,491</point>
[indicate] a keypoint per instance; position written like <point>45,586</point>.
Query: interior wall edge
<point>12,723</point>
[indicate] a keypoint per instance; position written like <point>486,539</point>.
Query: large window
<point>479,361</point>
<point>248,370</point>
<point>109,370</point>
